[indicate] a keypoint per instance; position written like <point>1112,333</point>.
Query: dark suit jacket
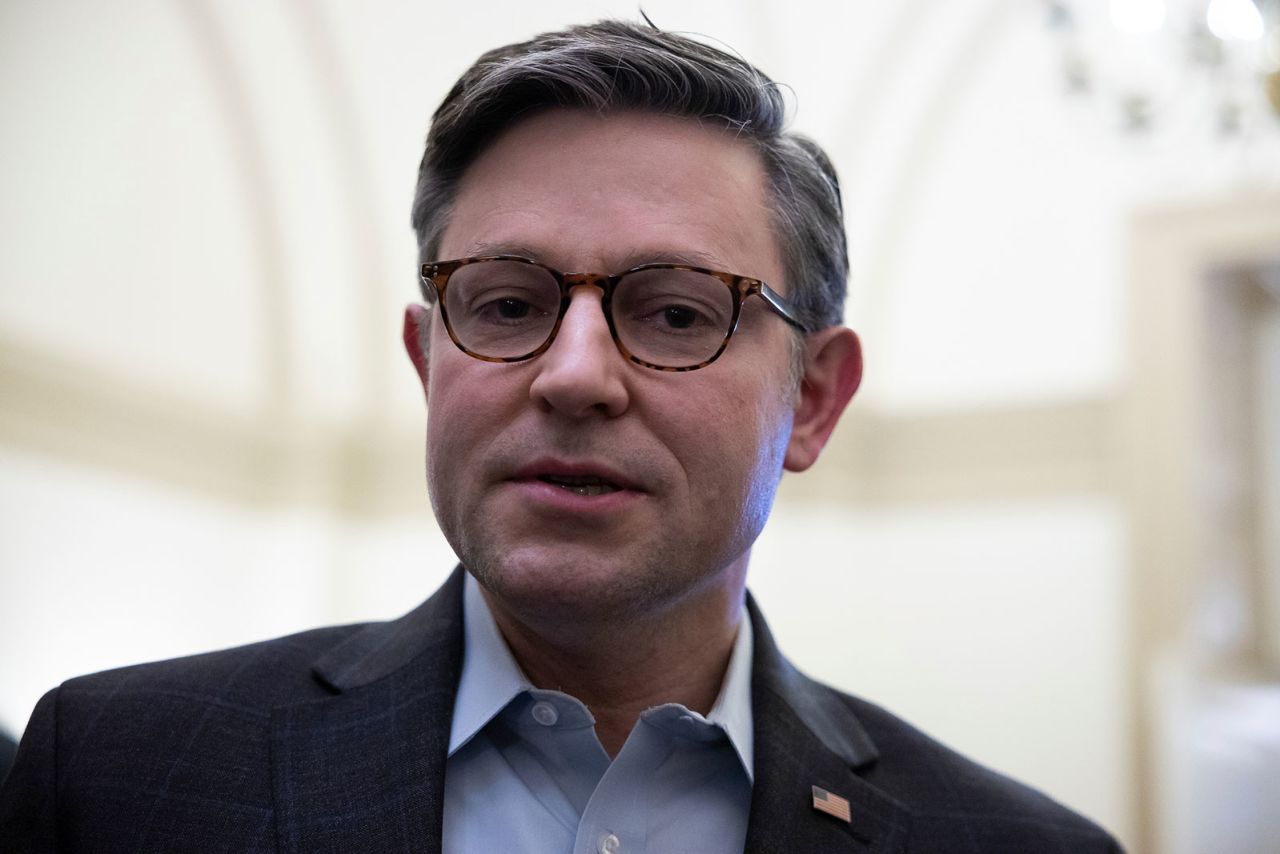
<point>335,740</point>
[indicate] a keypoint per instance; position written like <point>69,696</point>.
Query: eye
<point>670,313</point>
<point>505,303</point>
<point>509,308</point>
<point>680,316</point>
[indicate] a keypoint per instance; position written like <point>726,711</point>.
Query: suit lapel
<point>805,736</point>
<point>363,770</point>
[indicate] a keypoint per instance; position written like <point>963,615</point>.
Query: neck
<point>679,656</point>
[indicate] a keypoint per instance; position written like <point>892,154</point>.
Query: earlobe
<point>416,335</point>
<point>832,373</point>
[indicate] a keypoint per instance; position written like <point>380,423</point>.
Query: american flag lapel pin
<point>833,805</point>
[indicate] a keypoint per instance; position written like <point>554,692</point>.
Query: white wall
<point>996,627</point>
<point>207,202</point>
<point>102,570</point>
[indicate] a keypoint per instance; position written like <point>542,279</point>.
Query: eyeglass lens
<point>672,318</point>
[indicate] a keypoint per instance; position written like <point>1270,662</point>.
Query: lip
<point>555,501</point>
<point>554,467</point>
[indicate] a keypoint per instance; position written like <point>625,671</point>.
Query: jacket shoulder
<point>112,759</point>
<point>253,678</point>
<point>195,753</point>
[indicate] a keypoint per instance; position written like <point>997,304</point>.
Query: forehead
<point>583,191</point>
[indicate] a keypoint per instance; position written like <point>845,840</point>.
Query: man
<point>603,448</point>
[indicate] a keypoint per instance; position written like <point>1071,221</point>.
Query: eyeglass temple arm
<point>779,304</point>
<point>427,282</point>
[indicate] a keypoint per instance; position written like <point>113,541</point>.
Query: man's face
<point>689,461</point>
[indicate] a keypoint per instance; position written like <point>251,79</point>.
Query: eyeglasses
<point>670,317</point>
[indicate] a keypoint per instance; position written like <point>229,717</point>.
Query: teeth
<point>587,488</point>
<point>580,485</point>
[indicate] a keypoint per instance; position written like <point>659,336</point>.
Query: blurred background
<point>1050,522</point>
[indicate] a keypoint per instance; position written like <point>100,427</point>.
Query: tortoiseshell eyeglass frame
<point>435,279</point>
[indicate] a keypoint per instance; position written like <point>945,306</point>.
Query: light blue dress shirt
<point>526,773</point>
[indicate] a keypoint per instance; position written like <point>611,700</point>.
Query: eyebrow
<point>632,258</point>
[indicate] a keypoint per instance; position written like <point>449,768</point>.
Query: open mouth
<point>585,485</point>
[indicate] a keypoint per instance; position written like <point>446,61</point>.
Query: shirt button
<point>610,844</point>
<point>546,714</point>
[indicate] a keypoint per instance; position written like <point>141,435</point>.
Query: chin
<point>541,584</point>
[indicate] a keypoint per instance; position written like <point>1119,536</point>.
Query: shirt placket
<point>616,820</point>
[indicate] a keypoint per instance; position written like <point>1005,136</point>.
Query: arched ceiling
<point>205,213</point>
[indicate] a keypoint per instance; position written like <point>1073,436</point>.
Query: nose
<point>582,373</point>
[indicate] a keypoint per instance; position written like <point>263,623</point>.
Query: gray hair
<point>613,66</point>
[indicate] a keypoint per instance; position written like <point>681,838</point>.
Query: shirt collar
<point>490,676</point>
<point>491,679</point>
<point>732,709</point>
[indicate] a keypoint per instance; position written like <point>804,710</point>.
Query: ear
<point>832,373</point>
<point>416,335</point>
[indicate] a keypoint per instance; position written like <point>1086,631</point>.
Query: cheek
<point>438,451</point>
<point>454,385</point>
<point>738,455</point>
<point>452,419</point>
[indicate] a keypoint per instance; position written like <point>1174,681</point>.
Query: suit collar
<point>363,770</point>
<point>806,736</point>
<point>380,649</point>
<point>812,704</point>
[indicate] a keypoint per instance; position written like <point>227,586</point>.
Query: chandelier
<point>1161,64</point>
